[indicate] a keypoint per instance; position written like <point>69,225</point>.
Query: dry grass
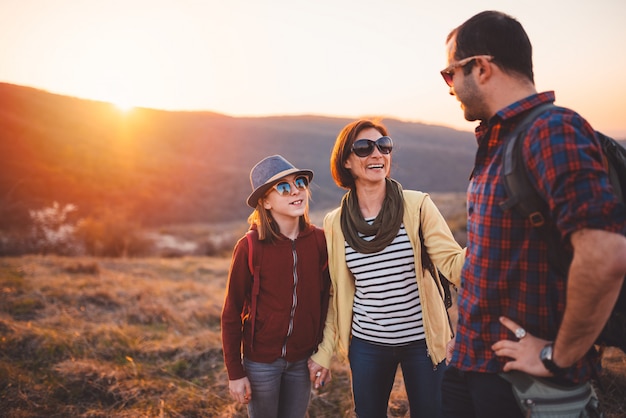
<point>121,338</point>
<point>140,338</point>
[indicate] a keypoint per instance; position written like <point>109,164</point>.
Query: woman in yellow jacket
<point>385,309</point>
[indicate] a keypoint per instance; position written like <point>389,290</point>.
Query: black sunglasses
<point>284,187</point>
<point>364,147</point>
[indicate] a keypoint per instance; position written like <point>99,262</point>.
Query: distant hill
<point>163,167</point>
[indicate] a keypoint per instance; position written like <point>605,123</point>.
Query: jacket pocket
<point>305,336</point>
<point>270,331</point>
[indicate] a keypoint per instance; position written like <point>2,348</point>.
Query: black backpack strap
<point>521,194</point>
<point>615,155</point>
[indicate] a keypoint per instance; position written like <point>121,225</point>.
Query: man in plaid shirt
<point>516,311</point>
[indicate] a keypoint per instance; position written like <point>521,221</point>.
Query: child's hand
<point>240,390</point>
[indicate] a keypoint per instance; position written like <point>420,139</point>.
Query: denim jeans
<point>279,389</point>
<point>477,395</point>
<point>374,370</point>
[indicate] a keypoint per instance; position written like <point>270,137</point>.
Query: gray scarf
<point>384,228</point>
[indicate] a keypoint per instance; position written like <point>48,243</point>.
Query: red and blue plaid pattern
<point>507,270</point>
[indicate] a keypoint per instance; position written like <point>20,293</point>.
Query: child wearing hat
<point>277,295</point>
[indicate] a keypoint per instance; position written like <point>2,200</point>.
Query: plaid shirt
<point>507,271</point>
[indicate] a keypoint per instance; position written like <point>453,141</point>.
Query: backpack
<point>523,198</point>
<point>255,251</point>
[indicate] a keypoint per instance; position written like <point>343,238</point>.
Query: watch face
<point>546,353</point>
<point>548,363</point>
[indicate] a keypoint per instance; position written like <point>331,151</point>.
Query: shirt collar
<point>515,109</point>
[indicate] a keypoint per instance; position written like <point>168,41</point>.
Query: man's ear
<point>485,69</point>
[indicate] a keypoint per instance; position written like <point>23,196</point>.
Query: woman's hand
<point>318,374</point>
<point>240,390</point>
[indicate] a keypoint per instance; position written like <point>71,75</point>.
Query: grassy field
<point>86,337</point>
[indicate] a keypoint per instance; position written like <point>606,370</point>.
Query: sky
<point>344,58</point>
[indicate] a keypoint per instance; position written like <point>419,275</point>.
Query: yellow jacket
<point>444,251</point>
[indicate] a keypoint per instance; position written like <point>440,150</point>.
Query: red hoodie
<point>291,304</point>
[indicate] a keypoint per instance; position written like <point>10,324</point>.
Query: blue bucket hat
<point>266,172</point>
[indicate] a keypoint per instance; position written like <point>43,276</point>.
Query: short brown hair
<point>343,147</point>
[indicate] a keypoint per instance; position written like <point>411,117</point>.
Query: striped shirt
<point>387,307</point>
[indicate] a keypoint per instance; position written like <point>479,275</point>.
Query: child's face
<point>289,197</point>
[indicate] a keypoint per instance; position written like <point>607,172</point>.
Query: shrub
<point>111,234</point>
<point>51,231</point>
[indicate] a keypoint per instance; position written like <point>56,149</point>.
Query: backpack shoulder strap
<point>521,195</point>
<point>441,282</point>
<point>324,277</point>
<point>615,156</point>
<point>249,236</point>
<point>254,255</point>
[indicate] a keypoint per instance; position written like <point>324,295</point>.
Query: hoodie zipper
<point>294,300</point>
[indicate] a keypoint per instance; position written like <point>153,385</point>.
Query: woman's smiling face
<point>373,168</point>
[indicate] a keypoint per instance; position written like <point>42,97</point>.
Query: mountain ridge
<point>161,167</point>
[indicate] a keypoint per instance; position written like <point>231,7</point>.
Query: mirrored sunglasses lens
<point>301,182</point>
<point>283,188</point>
<point>363,147</point>
<point>385,145</point>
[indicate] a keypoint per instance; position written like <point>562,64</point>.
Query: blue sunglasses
<point>284,187</point>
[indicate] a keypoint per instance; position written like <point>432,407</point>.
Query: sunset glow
<point>345,58</point>
<point>123,107</point>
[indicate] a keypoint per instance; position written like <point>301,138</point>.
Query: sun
<point>123,106</point>
<point>120,96</point>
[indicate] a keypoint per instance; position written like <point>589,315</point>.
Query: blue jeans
<point>374,370</point>
<point>477,395</point>
<point>279,389</point>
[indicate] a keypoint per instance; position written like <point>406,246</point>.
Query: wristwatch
<point>546,356</point>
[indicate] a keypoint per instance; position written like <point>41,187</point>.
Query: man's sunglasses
<point>448,72</point>
<point>284,187</point>
<point>364,147</point>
